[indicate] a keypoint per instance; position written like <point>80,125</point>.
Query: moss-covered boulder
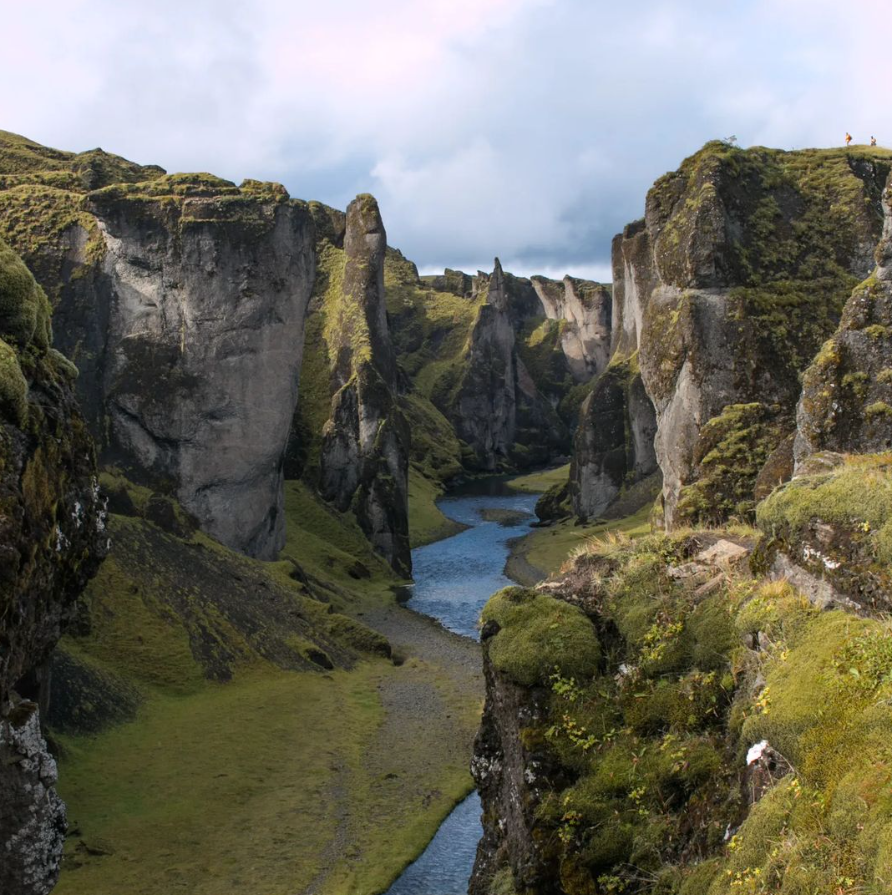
<point>830,530</point>
<point>531,636</point>
<point>52,540</point>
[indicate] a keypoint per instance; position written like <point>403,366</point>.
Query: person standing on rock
<point>873,141</point>
<point>848,138</point>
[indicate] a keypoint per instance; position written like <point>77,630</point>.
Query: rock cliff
<point>846,402</point>
<point>727,287</point>
<point>613,446</point>
<point>181,299</point>
<point>614,443</point>
<point>365,442</point>
<point>583,309</point>
<point>52,540</point>
<point>484,410</point>
<point>755,253</point>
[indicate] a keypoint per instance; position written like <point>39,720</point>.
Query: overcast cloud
<point>528,129</point>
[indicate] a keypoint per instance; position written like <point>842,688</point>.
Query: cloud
<point>530,129</point>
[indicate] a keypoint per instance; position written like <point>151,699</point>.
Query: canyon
<point>208,506</point>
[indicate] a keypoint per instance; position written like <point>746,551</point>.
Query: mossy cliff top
<point>786,236</point>
<point>754,253</point>
<point>50,201</point>
<point>727,737</point>
<point>749,217</point>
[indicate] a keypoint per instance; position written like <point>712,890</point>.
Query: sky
<point>527,129</point>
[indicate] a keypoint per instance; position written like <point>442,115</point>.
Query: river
<point>453,580</point>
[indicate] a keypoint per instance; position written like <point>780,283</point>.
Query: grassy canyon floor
<point>278,781</point>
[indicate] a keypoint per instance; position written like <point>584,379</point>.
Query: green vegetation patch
<point>856,495</point>
<point>539,636</point>
<point>24,309</point>
<point>653,751</point>
<point>731,450</point>
<point>542,481</point>
<point>427,523</point>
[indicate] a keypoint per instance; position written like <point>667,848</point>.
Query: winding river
<point>453,580</point>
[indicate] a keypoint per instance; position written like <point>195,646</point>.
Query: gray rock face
<point>634,278</point>
<point>846,402</point>
<point>485,414</point>
<point>614,444</point>
<point>197,348</point>
<point>365,443</point>
<point>32,817</point>
<point>585,309</point>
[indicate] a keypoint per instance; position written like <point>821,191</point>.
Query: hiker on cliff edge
<point>873,141</point>
<point>848,138</point>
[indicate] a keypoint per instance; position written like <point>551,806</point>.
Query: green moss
<point>875,331</point>
<point>824,708</point>
<point>857,495</point>
<point>878,408</point>
<point>731,450</point>
<point>24,309</point>
<point>13,385</point>
<point>502,883</point>
<point>540,636</point>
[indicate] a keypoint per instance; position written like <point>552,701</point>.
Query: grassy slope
<point>241,786</point>
<point>257,783</point>
<point>548,548</point>
<point>426,522</point>
<point>540,482</point>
